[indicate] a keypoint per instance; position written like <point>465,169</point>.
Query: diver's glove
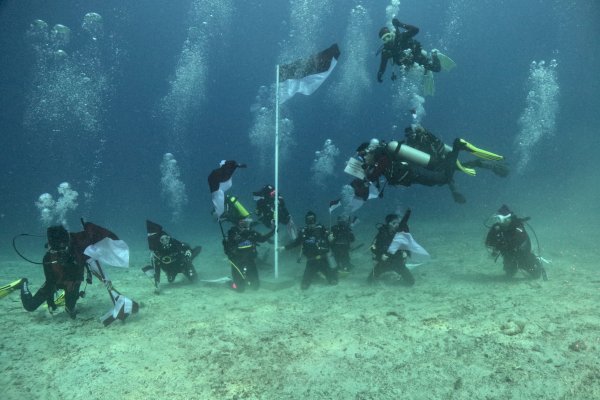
<point>394,76</point>
<point>379,76</point>
<point>396,22</point>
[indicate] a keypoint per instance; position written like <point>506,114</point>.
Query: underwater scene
<point>301,199</point>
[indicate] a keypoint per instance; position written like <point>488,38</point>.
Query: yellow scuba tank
<point>241,210</point>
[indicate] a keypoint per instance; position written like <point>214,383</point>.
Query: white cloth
<point>404,241</point>
<point>110,252</point>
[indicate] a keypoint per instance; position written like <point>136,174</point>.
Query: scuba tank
<point>401,150</point>
<point>234,203</point>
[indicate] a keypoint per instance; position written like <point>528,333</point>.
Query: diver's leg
<point>239,282</point>
<point>190,272</point>
<point>32,302</point>
<point>531,265</point>
<point>71,296</point>
<point>379,268</point>
<point>329,272</point>
<point>344,259</point>
<point>401,269</point>
<point>252,276</point>
<point>510,265</point>
<point>427,177</point>
<point>309,273</point>
<point>456,195</point>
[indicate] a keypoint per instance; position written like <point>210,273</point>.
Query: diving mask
<point>245,223</point>
<point>501,220</point>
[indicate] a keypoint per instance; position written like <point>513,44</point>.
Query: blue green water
<point>97,93</point>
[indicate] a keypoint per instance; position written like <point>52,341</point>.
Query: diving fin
<point>60,298</point>
<point>468,171</point>
<point>428,84</point>
<point>11,287</point>
<point>500,169</point>
<point>477,152</point>
<point>195,251</point>
<point>149,271</point>
<point>446,62</point>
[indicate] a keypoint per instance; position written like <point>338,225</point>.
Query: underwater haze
<point>117,111</point>
<point>96,93</point>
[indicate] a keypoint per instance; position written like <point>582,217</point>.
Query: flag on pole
<point>334,204</point>
<point>96,244</point>
<point>219,181</point>
<point>306,75</point>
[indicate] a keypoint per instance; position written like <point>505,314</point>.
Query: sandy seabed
<point>462,332</point>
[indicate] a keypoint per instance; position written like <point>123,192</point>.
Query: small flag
<point>363,191</point>
<point>306,75</point>
<point>219,181</point>
<point>334,204</point>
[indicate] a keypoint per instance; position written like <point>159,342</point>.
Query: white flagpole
<point>276,197</point>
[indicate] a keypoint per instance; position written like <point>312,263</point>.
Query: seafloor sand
<point>462,332</point>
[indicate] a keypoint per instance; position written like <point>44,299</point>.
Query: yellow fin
<point>468,171</point>
<point>477,152</point>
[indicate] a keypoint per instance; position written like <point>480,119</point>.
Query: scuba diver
<point>265,210</point>
<point>240,248</point>
<point>169,255</point>
<point>386,260</point>
<point>404,165</point>
<point>68,255</point>
<point>404,51</point>
<point>508,238</point>
<point>314,242</point>
<point>341,237</point>
<point>234,210</point>
<point>265,206</point>
<point>422,139</point>
<point>62,270</point>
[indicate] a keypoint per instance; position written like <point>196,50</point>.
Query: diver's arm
<point>382,66</point>
<point>411,30</point>
<point>260,238</point>
<point>297,242</point>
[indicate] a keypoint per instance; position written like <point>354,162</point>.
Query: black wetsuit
<point>240,247</point>
<point>176,258</point>
<point>405,51</point>
<point>394,262</point>
<point>400,172</point>
<point>61,271</point>
<point>427,142</point>
<point>340,247</point>
<point>315,246</point>
<point>513,244</point>
<point>265,211</point>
